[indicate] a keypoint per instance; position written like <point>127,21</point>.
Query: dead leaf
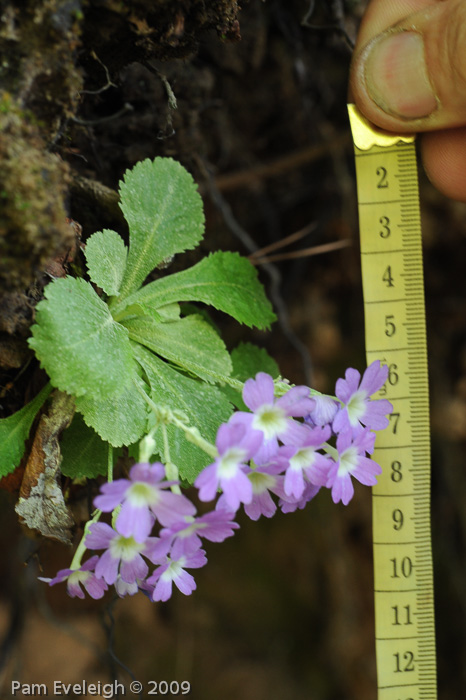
<point>41,503</point>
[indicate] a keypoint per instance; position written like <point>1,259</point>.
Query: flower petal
<point>258,391</point>
<point>134,522</point>
<point>374,377</point>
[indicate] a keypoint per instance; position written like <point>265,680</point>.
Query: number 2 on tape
<point>393,288</point>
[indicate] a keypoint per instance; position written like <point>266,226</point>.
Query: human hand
<point>409,74</point>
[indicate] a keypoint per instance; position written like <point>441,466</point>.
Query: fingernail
<point>396,76</point>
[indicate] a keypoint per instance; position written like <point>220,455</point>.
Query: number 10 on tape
<point>393,288</point>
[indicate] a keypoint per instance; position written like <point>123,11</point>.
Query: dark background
<point>285,608</point>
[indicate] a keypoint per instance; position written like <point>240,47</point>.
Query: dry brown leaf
<point>41,503</point>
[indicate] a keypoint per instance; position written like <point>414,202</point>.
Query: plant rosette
<point>149,371</point>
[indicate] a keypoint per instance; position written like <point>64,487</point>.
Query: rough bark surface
<point>55,54</point>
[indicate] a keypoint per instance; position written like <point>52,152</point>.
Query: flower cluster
<point>279,448</point>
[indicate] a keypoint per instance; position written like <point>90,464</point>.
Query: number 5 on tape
<point>392,275</point>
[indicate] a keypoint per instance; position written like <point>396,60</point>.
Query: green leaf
<point>14,432</point>
<point>189,343</point>
<point>204,406</point>
<point>224,280</point>
<point>189,309</point>
<point>248,359</point>
<point>120,419</point>
<point>106,260</point>
<point>81,347</point>
<point>84,453</point>
<point>165,215</point>
<point>136,310</point>
<point>170,312</point>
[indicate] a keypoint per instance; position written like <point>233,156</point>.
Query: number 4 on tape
<point>393,288</point>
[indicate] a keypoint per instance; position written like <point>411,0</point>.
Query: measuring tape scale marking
<point>391,262</point>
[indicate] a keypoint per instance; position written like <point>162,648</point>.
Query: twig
<point>90,122</point>
<point>271,270</point>
<point>291,161</point>
<point>172,102</point>
<point>283,242</point>
<point>303,253</point>
<point>107,85</point>
<point>338,14</point>
<point>109,628</point>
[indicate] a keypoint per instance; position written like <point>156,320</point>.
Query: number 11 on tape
<point>393,288</point>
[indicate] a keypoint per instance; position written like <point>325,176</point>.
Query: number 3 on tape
<point>393,287</point>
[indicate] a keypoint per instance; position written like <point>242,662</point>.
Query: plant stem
<point>110,464</point>
<point>171,470</point>
<point>81,549</point>
<point>165,415</point>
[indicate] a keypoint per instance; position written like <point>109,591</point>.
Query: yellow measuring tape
<point>393,287</point>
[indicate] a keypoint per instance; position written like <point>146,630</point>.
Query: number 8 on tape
<point>393,288</point>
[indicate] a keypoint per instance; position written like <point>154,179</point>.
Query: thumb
<point>412,76</point>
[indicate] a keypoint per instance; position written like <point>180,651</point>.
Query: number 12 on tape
<point>393,288</point>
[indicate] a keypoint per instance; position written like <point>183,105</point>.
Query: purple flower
<point>123,588</point>
<point>173,571</point>
<point>144,497</point>
<point>358,408</point>
<point>236,444</point>
<point>266,479</point>
<point>215,526</point>
<point>289,504</point>
<point>74,578</point>
<point>273,417</point>
<point>305,463</point>
<point>123,554</point>
<point>323,412</point>
<point>352,462</point>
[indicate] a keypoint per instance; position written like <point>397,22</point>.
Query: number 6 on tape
<point>392,275</point>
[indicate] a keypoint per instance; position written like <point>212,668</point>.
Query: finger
<point>412,75</point>
<point>444,156</point>
<point>380,15</point>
